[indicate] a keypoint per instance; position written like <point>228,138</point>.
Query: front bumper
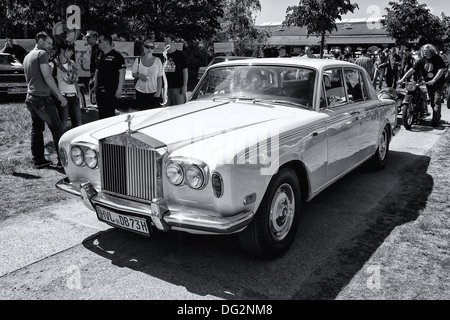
<point>196,221</point>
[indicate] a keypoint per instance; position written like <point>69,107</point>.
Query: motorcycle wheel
<point>448,98</point>
<point>407,116</point>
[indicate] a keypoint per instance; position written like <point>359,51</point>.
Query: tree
<point>408,21</point>
<point>319,16</point>
<point>126,18</point>
<point>446,30</point>
<point>238,26</point>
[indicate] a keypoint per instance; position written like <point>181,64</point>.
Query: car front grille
<point>129,171</point>
<point>10,78</point>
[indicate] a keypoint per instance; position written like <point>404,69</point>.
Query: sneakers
<point>42,164</point>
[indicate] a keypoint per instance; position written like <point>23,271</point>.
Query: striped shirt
<point>366,63</point>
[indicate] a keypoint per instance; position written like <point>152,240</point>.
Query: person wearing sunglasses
<point>148,71</point>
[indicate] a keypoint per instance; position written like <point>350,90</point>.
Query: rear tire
<point>407,116</point>
<point>275,224</point>
<point>379,159</point>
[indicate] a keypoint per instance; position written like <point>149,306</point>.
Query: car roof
<point>315,63</point>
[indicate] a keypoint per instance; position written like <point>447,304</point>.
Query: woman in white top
<point>148,71</point>
<point>66,78</point>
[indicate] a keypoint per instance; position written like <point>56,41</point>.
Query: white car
<point>257,139</point>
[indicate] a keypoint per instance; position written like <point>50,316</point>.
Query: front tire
<point>407,116</point>
<point>275,224</point>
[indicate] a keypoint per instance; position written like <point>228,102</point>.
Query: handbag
<point>136,79</point>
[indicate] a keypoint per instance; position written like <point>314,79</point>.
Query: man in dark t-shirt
<point>176,73</point>
<point>432,68</point>
<point>16,50</point>
<point>109,77</point>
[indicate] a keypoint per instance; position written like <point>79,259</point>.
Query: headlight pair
<point>191,174</point>
<point>83,155</point>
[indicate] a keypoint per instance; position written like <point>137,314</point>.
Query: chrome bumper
<point>198,222</point>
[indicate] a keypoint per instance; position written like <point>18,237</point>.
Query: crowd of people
<point>392,67</point>
<point>53,94</point>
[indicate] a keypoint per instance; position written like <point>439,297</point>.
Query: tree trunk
<point>322,44</point>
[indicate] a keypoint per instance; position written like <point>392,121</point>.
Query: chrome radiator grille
<point>129,171</point>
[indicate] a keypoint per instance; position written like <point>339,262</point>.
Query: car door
<point>365,109</point>
<point>342,126</point>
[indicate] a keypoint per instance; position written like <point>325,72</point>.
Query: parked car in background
<point>12,76</point>
<point>257,139</point>
<point>218,59</point>
<point>128,90</point>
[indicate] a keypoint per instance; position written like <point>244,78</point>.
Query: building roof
<point>349,31</point>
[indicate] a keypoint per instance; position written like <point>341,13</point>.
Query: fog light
<point>217,184</point>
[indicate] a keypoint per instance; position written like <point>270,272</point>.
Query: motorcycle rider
<point>432,67</point>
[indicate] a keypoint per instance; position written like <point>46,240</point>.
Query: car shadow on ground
<point>339,231</point>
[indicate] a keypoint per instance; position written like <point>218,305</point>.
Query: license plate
<point>136,224</point>
<point>17,90</point>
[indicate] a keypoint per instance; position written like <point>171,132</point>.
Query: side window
<point>335,88</point>
<point>356,88</point>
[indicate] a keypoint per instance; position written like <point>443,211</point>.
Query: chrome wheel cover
<point>282,210</point>
<point>382,149</point>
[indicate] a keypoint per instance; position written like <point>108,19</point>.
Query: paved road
<point>63,252</point>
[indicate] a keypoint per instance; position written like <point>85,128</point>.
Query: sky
<point>275,10</point>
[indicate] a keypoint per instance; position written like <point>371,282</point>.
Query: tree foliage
<point>319,16</point>
<point>129,19</point>
<point>408,21</point>
<point>238,26</point>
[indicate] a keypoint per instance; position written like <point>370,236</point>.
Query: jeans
<point>175,96</point>
<point>379,73</point>
<point>72,110</point>
<point>436,95</point>
<point>106,103</point>
<point>43,111</point>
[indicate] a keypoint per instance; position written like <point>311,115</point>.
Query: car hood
<point>195,121</point>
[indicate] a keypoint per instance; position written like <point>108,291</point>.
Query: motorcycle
<point>414,104</point>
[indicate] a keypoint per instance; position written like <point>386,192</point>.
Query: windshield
<point>7,59</point>
<point>280,83</point>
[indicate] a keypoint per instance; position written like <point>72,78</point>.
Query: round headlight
<point>194,177</point>
<point>77,155</point>
<point>174,173</point>
<point>63,157</point>
<point>411,86</point>
<point>91,158</point>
